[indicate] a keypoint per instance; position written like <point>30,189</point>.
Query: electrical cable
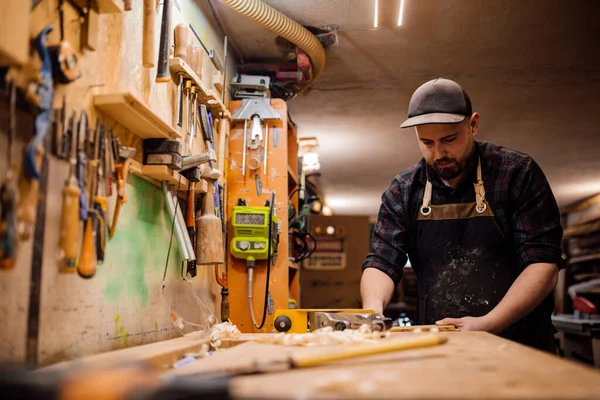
<point>251,269</point>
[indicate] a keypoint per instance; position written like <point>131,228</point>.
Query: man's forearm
<point>526,293</point>
<point>376,289</point>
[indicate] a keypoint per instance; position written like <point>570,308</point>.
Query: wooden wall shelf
<point>133,114</point>
<point>155,174</point>
<point>104,6</point>
<point>209,97</point>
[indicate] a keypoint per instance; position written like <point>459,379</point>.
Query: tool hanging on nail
<point>162,72</point>
<point>148,38</point>
<point>65,64</point>
<point>8,193</point>
<point>209,143</point>
<point>122,170</point>
<point>81,168</point>
<point>100,201</point>
<point>89,258</point>
<point>29,180</point>
<point>209,237</point>
<point>193,175</point>
<point>69,224</point>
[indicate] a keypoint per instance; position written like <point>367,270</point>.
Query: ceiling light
<point>330,230</point>
<point>327,211</point>
<point>401,13</point>
<point>376,13</point>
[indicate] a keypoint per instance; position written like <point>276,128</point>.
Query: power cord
<point>251,264</point>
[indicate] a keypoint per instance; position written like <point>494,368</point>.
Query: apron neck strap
<point>479,194</point>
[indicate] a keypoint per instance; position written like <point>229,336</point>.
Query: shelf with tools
<point>129,111</point>
<point>156,174</point>
<point>207,96</point>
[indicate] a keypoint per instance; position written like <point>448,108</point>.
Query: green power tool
<point>251,232</point>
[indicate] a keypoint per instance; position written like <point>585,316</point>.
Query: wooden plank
<point>133,114</point>
<point>14,32</point>
<point>208,96</point>
<point>160,354</point>
<point>160,173</point>
<point>424,328</point>
<point>472,365</point>
<point>110,6</point>
<point>104,6</point>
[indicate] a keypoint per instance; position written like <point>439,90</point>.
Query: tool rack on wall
<point>254,187</point>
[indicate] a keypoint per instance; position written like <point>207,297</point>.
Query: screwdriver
<point>100,201</point>
<point>69,224</point>
<point>87,265</point>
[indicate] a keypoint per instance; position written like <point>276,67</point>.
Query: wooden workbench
<point>470,365</point>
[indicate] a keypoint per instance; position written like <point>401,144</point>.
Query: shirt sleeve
<point>389,243</point>
<point>536,222</point>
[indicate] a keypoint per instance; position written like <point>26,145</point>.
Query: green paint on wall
<point>117,317</point>
<point>156,325</point>
<point>138,249</point>
<point>123,338</point>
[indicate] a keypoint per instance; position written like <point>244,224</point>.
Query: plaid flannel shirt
<point>516,189</point>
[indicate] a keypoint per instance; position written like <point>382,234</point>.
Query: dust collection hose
<point>284,27</point>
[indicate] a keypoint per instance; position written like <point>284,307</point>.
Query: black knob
<point>341,325</point>
<point>283,323</point>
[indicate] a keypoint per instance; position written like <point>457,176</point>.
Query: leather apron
<point>465,266</point>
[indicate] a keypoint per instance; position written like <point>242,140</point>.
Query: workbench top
<point>470,365</point>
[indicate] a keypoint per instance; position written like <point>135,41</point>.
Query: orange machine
<point>249,182</point>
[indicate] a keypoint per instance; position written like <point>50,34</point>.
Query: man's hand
<point>469,323</point>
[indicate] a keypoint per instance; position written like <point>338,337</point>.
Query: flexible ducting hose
<point>284,27</point>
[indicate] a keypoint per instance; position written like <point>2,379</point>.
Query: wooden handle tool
<point>209,249</point>
<point>195,58</point>
<point>384,346</point>
<point>87,263</point>
<point>181,41</point>
<point>163,73</point>
<point>148,29</point>
<point>424,328</point>
<point>69,223</point>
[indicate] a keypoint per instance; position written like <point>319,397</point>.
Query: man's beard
<point>454,169</point>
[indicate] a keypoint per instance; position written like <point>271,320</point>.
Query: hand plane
<point>308,320</point>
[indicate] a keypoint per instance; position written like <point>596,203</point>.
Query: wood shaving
<point>326,337</point>
<point>224,330</point>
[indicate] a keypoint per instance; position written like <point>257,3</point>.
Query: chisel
<point>162,71</point>
<point>88,259</point>
<point>69,224</point>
